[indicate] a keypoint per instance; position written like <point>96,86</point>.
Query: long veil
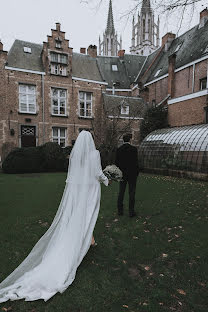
<point>60,250</point>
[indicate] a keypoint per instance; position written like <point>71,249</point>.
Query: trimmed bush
<point>23,160</point>
<point>53,157</point>
<point>49,157</point>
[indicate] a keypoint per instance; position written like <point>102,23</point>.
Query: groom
<point>127,161</point>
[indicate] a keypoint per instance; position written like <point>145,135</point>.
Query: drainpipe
<point>43,107</point>
<point>193,79</point>
<point>113,89</point>
<point>207,74</point>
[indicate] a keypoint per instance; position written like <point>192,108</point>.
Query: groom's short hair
<point>127,137</point>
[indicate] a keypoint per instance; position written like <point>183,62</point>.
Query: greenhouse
<point>179,148</point>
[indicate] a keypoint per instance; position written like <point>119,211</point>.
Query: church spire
<point>110,45</point>
<point>146,5</point>
<point>145,32</point>
<point>110,24</point>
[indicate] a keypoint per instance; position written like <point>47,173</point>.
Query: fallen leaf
<point>201,284</point>
<point>135,237</point>
<point>181,292</point>
<point>147,268</point>
<point>124,261</point>
<point>165,255</point>
<point>125,306</point>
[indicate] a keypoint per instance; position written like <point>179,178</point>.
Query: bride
<point>51,265</point>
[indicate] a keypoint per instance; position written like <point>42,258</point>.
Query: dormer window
<point>205,50</point>
<point>178,47</point>
<point>114,67</point>
<point>27,50</point>
<point>157,72</point>
<point>124,108</point>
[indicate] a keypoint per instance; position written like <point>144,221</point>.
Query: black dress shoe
<point>132,214</point>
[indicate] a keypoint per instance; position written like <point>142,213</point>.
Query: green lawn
<point>154,262</point>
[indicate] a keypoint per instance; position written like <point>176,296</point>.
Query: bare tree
<point>109,132</point>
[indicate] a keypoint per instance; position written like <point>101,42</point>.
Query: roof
<point>110,24</point>
<point>85,66</point>
<point>30,61</point>
<point>128,68</point>
<point>186,51</point>
<point>113,103</point>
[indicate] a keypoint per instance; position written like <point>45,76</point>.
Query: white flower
<point>113,173</point>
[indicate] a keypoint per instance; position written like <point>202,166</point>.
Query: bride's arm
<point>100,174</point>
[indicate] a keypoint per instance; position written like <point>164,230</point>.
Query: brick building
<point>50,93</point>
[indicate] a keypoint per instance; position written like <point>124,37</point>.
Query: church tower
<point>110,45</point>
<point>145,33</point>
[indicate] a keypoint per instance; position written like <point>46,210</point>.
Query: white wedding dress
<point>51,265</point>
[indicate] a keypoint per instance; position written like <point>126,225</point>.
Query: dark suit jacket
<point>127,160</point>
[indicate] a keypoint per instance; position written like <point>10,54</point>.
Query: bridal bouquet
<point>112,172</point>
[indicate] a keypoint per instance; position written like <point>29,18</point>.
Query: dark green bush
<point>23,160</point>
<point>52,157</point>
<point>49,157</point>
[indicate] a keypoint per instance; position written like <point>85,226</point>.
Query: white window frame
<point>178,47</point>
<point>125,109</point>
<point>57,69</point>
<point>114,67</point>
<point>157,72</point>
<point>59,57</point>
<point>27,103</point>
<point>59,138</point>
<point>85,102</point>
<point>58,98</point>
<point>27,50</point>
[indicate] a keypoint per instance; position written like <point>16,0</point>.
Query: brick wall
<point>189,112</point>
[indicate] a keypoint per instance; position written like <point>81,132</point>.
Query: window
<point>157,72</point>
<point>125,110</point>
<point>203,83</point>
<point>58,70</point>
<point>205,50</point>
<point>59,136</point>
<point>27,50</point>
<point>178,47</point>
<point>114,68</point>
<point>59,58</point>
<point>58,44</point>
<point>27,99</point>
<point>85,104</point>
<point>58,101</point>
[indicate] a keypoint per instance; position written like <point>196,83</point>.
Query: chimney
<point>203,17</point>
<point>58,27</point>
<point>171,74</point>
<point>167,40</point>
<point>1,46</point>
<point>83,50</point>
<point>92,50</point>
<point>121,53</point>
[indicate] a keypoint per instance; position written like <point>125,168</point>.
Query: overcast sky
<point>83,21</point>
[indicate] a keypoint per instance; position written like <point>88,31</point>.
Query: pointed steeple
<point>110,24</point>
<point>110,44</point>
<point>146,6</point>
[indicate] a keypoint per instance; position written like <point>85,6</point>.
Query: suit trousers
<point>132,189</point>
